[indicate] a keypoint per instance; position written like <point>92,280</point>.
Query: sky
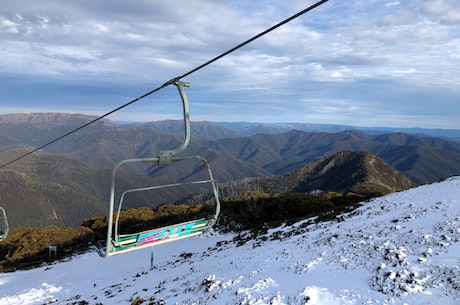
<point>357,62</point>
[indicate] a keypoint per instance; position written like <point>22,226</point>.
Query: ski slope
<point>398,249</point>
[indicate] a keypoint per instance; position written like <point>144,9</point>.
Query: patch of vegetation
<point>255,211</point>
<point>29,247</point>
<point>137,301</point>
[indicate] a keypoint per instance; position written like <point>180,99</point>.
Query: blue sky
<point>356,62</point>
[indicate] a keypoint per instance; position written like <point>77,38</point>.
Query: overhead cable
<point>172,81</point>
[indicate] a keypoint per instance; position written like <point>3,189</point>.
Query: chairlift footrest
<point>158,236</point>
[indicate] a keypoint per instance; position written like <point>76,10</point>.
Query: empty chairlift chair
<point>118,242</point>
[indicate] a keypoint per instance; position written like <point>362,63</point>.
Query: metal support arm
<point>165,156</point>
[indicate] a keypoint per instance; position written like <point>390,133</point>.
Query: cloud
<point>8,26</point>
<point>354,51</point>
<point>394,3</point>
<point>443,10</point>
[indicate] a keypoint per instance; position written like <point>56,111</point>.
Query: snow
<point>398,249</point>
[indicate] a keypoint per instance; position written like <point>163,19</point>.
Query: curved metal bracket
<point>165,156</point>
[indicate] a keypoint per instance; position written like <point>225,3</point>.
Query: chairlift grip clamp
<point>165,157</point>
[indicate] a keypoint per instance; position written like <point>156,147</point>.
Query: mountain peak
<point>361,173</point>
<point>347,171</point>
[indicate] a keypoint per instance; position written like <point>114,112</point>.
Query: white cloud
<point>443,10</point>
<point>394,3</point>
<point>8,26</point>
<point>101,28</point>
<point>404,71</point>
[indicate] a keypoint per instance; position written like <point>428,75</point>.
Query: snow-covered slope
<point>399,249</point>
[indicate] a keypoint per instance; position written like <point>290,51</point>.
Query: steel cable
<point>263,33</point>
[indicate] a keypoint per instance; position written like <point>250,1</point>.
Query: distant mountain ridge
<point>204,129</point>
<point>220,130</point>
<point>423,159</point>
<point>49,120</point>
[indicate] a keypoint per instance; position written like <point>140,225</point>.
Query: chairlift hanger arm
<point>166,156</point>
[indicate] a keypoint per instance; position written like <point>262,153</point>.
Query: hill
<point>357,172</point>
<point>360,173</point>
<point>46,189</point>
<point>398,249</point>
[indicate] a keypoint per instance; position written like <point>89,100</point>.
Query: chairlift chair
<point>4,228</point>
<point>117,242</point>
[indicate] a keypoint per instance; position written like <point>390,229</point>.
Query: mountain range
<point>219,130</point>
<point>78,167</point>
<point>422,158</point>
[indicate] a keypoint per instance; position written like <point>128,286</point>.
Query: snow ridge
<point>397,249</point>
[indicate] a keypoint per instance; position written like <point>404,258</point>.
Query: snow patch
<point>398,249</point>
<point>258,294</point>
<point>321,296</point>
<point>44,294</point>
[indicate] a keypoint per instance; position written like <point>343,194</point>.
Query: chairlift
<point>4,227</point>
<point>118,242</point>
